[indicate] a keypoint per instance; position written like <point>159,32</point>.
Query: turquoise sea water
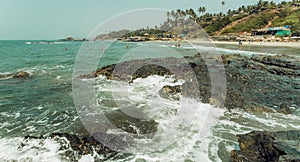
<point>43,103</point>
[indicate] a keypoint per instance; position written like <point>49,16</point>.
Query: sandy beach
<point>271,44</point>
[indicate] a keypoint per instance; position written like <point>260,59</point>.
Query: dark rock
<point>256,87</point>
<point>258,84</point>
<point>18,75</point>
<point>169,92</point>
<point>284,108</point>
<point>284,61</point>
<point>138,126</point>
<point>80,145</point>
<point>268,146</point>
<point>5,75</point>
<point>21,74</point>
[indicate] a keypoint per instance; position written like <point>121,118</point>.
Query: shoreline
<point>267,44</point>
<point>260,44</point>
<point>199,41</point>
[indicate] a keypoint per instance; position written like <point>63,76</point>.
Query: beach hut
<point>296,4</point>
<point>278,31</point>
<point>295,38</point>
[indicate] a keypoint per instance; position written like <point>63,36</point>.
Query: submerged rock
<point>138,126</point>
<point>19,75</point>
<point>268,146</point>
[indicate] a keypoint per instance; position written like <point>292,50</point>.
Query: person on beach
<point>240,42</point>
<point>177,44</point>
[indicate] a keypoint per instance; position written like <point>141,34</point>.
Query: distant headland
<point>72,39</point>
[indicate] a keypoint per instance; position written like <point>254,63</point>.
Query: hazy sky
<point>54,19</point>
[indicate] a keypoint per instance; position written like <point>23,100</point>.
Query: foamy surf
<point>188,130</point>
<point>35,150</point>
<point>5,75</point>
<point>209,134</point>
<point>217,50</point>
<point>182,124</point>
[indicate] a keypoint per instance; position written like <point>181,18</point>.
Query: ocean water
<point>44,103</point>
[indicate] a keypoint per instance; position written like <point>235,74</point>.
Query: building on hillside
<point>296,4</point>
<point>295,38</point>
<point>277,31</point>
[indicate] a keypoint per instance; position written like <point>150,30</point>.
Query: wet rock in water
<point>279,64</point>
<point>268,146</point>
<point>4,76</point>
<point>284,61</point>
<point>284,108</point>
<point>259,86</point>
<point>130,70</point>
<point>170,92</point>
<point>134,125</point>
<point>21,74</point>
<point>79,145</point>
<point>260,83</point>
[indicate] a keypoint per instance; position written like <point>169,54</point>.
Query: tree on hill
<point>192,14</point>
<point>223,3</point>
<point>201,10</point>
<point>254,16</point>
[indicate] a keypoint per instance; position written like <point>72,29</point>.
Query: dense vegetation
<point>250,17</point>
<point>244,19</point>
<point>253,22</point>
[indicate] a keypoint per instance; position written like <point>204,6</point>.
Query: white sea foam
<point>187,136</point>
<point>41,70</point>
<point>87,158</point>
<point>7,74</point>
<point>183,123</point>
<point>184,130</point>
<point>58,77</point>
<point>35,150</point>
<point>223,50</point>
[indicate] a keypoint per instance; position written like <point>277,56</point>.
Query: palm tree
<point>192,14</point>
<point>201,10</point>
<point>173,13</point>
<point>272,4</point>
<point>284,3</point>
<point>259,3</point>
<point>168,14</point>
<point>223,3</point>
<point>173,18</point>
<point>229,12</point>
<point>181,14</point>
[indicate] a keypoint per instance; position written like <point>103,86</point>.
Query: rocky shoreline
<point>77,146</point>
<point>268,146</point>
<point>259,83</point>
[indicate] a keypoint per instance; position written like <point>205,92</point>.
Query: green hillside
<point>264,14</point>
<point>244,19</point>
<point>270,18</point>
